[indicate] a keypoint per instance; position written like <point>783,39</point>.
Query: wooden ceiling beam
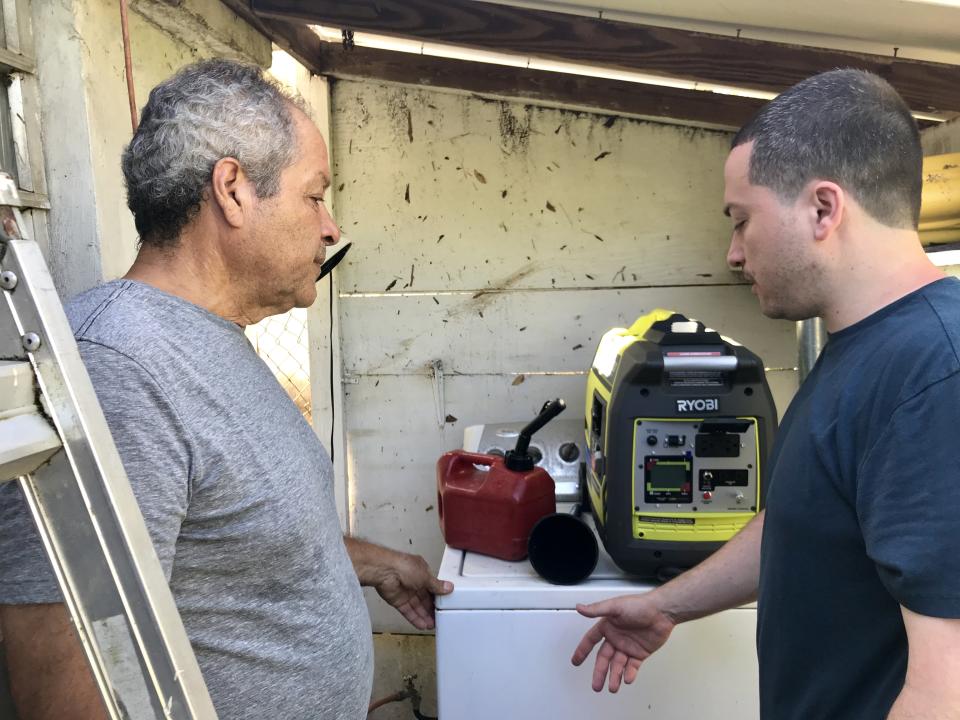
<point>594,94</point>
<point>577,91</point>
<point>719,59</point>
<point>294,37</point>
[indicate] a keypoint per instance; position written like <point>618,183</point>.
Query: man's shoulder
<point>133,318</point>
<point>125,326</point>
<point>922,347</point>
<point>928,315</point>
<point>932,335</point>
<point>943,298</point>
<point>113,312</point>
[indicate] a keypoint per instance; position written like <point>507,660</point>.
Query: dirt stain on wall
<point>514,125</point>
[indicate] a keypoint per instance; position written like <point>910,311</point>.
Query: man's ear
<point>828,201</point>
<point>232,192</point>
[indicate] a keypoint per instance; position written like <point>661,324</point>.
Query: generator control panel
<point>695,465</point>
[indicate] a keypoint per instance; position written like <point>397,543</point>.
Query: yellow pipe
<point>940,204</point>
<point>950,223</point>
<point>939,237</point>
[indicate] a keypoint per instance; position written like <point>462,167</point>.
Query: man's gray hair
<point>208,111</point>
<point>847,126</point>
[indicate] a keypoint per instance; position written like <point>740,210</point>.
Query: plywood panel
<point>525,331</point>
<point>501,240</point>
<point>446,192</point>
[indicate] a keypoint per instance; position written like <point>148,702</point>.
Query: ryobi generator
<point>679,422</point>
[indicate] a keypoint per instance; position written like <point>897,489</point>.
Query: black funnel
<point>563,549</point>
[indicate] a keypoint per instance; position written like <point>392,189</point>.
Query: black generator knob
<point>569,452</point>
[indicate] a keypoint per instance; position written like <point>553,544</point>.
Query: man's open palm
<point>631,628</point>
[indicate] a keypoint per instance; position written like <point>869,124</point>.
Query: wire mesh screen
<point>283,344</point>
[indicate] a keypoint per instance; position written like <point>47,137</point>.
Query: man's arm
<point>633,627</point>
<point>50,678</point>
<point>931,690</point>
<point>403,580</point>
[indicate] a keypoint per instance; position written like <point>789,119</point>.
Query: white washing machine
<point>505,636</point>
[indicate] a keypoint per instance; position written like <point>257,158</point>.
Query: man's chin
<point>779,312</point>
<point>306,297</point>
<point>770,309</point>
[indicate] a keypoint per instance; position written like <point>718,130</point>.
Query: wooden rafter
<point>719,59</point>
<point>598,95</point>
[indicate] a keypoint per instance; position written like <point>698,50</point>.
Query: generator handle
<point>725,363</point>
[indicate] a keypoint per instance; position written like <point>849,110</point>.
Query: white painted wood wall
<point>501,240</point>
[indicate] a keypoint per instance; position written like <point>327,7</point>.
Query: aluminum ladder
<point>55,442</point>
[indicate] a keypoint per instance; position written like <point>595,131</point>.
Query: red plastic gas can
<point>490,511</point>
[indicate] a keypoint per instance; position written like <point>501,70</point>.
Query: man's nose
<point>735,256</point>
<point>330,231</point>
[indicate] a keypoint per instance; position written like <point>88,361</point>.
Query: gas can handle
<point>474,458</point>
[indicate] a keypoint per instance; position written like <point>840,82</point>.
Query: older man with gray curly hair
<point>226,178</point>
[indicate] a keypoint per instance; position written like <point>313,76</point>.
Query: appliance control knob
<point>739,498</point>
<point>707,495</point>
<point>535,453</point>
<point>651,440</point>
<point>495,451</point>
<point>569,452</point>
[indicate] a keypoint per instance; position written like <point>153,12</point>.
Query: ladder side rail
<point>92,527</point>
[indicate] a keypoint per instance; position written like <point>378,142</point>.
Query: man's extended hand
<point>631,629</point>
<point>403,580</point>
<point>409,586</point>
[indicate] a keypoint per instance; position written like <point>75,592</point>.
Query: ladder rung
<point>27,439</point>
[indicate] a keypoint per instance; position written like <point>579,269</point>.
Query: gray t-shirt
<point>237,494</point>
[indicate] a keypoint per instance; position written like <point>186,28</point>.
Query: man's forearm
<point>913,704</point>
<point>931,687</point>
<point>370,561</point>
<point>403,580</point>
<point>49,675</point>
<point>728,578</point>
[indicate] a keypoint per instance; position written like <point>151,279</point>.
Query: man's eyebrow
<point>324,178</point>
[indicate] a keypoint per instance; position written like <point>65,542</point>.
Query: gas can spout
<point>519,458</point>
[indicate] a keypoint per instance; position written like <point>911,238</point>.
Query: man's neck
<point>195,272</point>
<point>888,269</point>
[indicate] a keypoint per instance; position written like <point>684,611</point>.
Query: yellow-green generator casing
<point>679,423</point>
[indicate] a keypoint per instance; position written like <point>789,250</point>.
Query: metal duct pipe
<point>811,337</point>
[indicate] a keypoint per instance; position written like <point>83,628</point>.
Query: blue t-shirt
<point>863,512</point>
